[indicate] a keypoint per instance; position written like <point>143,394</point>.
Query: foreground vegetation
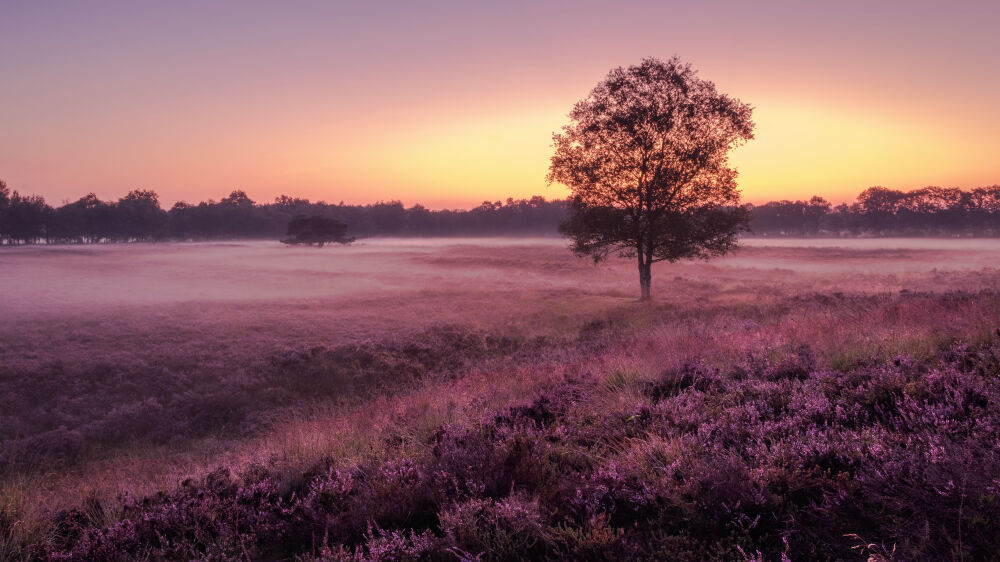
<point>753,415</point>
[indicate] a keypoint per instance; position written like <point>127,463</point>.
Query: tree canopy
<point>646,158</point>
<point>316,230</point>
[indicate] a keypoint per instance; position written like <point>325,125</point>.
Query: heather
<point>764,457</point>
<point>502,401</point>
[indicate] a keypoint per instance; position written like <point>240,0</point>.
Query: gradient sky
<point>452,103</point>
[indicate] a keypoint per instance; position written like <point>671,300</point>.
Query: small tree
<point>646,158</point>
<point>316,230</point>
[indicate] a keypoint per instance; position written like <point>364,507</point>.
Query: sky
<point>449,104</point>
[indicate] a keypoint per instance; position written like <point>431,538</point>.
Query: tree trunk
<point>645,279</point>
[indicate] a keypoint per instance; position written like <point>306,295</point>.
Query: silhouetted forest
<point>138,217</point>
<point>930,211</point>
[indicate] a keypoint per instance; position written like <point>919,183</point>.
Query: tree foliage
<point>879,211</point>
<point>138,217</point>
<point>646,158</point>
<point>316,230</point>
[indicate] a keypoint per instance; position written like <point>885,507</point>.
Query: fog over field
<point>62,279</point>
<point>144,299</point>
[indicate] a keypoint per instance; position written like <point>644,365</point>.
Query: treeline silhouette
<point>138,217</point>
<point>930,211</point>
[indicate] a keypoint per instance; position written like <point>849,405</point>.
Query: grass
<point>745,411</point>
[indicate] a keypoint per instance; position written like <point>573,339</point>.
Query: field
<point>491,399</point>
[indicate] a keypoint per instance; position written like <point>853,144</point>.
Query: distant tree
<point>238,216</point>
<point>985,209</point>
<point>385,217</point>
<point>878,208</point>
<point>237,197</point>
<point>26,218</point>
<point>420,220</point>
<point>646,158</point>
<point>4,204</point>
<point>284,201</point>
<point>815,212</point>
<point>139,217</point>
<point>316,230</point>
<point>942,209</point>
<point>796,218</point>
<point>87,219</point>
<point>839,220</point>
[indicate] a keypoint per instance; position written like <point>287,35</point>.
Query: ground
<point>129,370</point>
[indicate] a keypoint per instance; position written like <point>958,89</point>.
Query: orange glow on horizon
<point>836,153</point>
<point>452,105</point>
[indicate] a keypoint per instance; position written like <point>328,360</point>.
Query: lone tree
<point>646,159</point>
<point>316,230</point>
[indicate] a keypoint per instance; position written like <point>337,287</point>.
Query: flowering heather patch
<point>764,458</point>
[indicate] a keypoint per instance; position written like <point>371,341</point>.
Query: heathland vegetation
<point>278,406</point>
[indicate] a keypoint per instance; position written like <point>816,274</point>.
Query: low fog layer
<point>62,278</point>
<point>220,302</point>
<point>41,278</point>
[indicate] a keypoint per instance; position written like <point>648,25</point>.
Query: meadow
<point>499,398</point>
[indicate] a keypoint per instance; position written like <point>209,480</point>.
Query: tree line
<point>138,217</point>
<point>878,211</point>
